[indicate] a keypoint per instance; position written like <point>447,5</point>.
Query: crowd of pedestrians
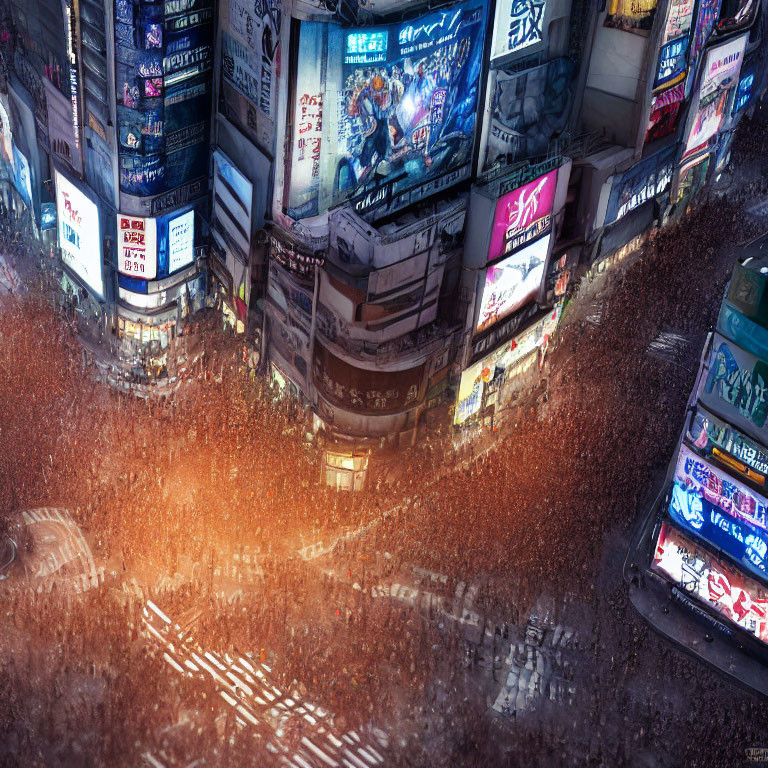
<point>171,488</point>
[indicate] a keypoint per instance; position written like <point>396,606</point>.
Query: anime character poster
<point>390,118</point>
<point>522,215</point>
<point>512,282</point>
<point>712,581</point>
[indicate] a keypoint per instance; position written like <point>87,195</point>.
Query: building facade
<point>388,200</point>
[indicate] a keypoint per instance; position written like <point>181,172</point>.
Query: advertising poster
<point>22,179</point>
<point>249,55</point>
<point>48,216</point>
<point>522,215</point>
<point>736,387</point>
<point>512,282</point>
<point>137,247</point>
<point>707,15</point>
<point>692,177</point>
<point>79,233</point>
<point>390,117</point>
<point>181,241</point>
<point>713,438</point>
<point>719,488</point>
<point>518,24</point>
<point>643,182</point>
<point>494,367</point>
<point>714,582</point>
<point>674,44</point>
<point>528,110</point>
<point>665,113</point>
<point>719,79</point>
<point>634,16</point>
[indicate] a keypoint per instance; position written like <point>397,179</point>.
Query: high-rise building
<point>387,199</point>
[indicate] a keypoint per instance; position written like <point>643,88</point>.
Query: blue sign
<point>746,545</point>
<point>21,178</point>
<point>366,47</point>
<point>672,61</point>
<point>644,181</point>
<point>48,216</point>
<point>743,92</point>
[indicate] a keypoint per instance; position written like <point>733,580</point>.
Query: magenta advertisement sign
<point>522,215</point>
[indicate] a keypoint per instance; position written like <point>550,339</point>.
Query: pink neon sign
<point>522,215</point>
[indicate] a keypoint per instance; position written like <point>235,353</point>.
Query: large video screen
<point>385,116</point>
<point>163,60</point>
<point>708,503</point>
<point>715,583</point>
<point>512,282</point>
<point>79,233</point>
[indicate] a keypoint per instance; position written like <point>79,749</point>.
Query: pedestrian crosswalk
<point>297,732</point>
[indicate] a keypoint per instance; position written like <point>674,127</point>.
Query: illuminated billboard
<point>734,385</point>
<point>21,176</point>
<point>522,215</point>
<point>501,363</point>
<point>715,583</point>
<point>518,24</point>
<point>137,246</point>
<point>743,92</point>
<point>385,116</point>
<point>79,233</point>
<point>163,58</point>
<point>665,113</point>
<point>512,282</point>
<point>719,79</point>
<point>719,509</point>
<point>181,241</point>
<point>642,182</point>
<point>671,68</point>
<point>713,438</point>
<point>631,15</point>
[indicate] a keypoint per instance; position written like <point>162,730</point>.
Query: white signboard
<point>518,24</point>
<point>137,247</point>
<point>181,241</point>
<point>720,77</point>
<point>79,234</point>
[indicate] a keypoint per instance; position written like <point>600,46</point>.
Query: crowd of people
<point>167,488</point>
